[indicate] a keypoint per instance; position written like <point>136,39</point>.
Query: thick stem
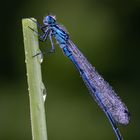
<point>34,78</point>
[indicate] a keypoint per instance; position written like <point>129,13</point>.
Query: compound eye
<point>45,21</point>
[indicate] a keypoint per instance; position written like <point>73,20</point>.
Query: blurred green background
<point>107,32</point>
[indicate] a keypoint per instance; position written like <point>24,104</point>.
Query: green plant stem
<point>34,78</point>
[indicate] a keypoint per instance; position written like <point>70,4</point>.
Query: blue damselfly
<point>100,90</point>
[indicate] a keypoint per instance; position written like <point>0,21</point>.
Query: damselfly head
<point>48,20</point>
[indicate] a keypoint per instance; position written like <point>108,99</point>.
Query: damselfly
<point>100,90</point>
